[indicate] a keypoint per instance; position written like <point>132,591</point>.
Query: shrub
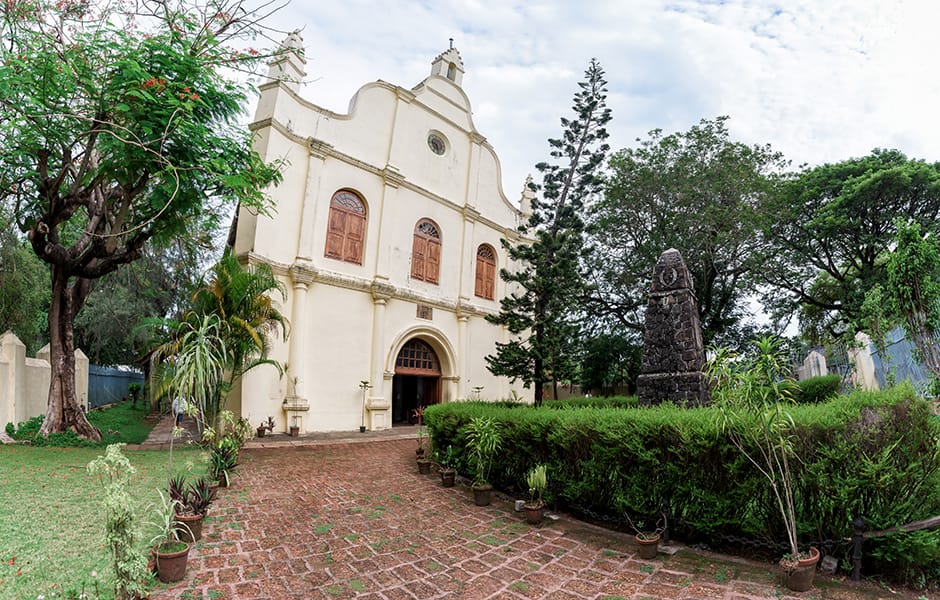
<point>874,454</point>
<point>817,389</point>
<point>601,402</point>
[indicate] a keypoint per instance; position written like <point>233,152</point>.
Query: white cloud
<point>821,82</point>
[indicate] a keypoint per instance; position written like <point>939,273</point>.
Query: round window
<point>436,144</point>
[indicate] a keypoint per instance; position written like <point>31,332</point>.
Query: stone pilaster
<point>296,405</point>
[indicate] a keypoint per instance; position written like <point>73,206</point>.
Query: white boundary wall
<point>24,381</point>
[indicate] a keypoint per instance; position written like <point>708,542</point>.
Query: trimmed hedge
<point>871,454</point>
<point>600,402</point>
<point>817,389</point>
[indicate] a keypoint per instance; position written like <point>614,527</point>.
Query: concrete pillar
<point>463,354</point>
<point>379,404</point>
<point>296,405</point>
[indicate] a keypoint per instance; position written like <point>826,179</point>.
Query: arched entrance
<point>417,380</point>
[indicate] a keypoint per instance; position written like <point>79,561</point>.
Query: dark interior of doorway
<point>408,393</point>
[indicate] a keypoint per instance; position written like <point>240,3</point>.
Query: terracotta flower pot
<point>798,574</point>
<point>424,466</point>
<point>192,533</point>
<point>482,494</point>
<point>534,513</point>
<point>447,477</point>
<point>261,431</point>
<point>647,545</point>
<point>294,431</point>
<point>171,566</point>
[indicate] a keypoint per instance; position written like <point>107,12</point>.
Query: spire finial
<point>451,43</point>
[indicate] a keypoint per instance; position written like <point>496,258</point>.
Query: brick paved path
<point>357,520</point>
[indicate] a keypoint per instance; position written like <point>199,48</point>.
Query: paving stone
<point>353,519</point>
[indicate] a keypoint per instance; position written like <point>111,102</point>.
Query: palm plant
<point>223,336</point>
<point>750,393</point>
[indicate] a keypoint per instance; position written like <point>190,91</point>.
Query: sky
<point>819,80</point>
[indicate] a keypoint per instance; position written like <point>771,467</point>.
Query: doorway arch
<point>417,380</point>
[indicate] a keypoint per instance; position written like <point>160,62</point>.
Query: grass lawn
<point>52,536</point>
<point>121,422</point>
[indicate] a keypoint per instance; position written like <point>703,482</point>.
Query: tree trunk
<point>64,412</point>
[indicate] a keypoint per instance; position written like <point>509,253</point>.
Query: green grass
<point>52,521</point>
<point>119,423</point>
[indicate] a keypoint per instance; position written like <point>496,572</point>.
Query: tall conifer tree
<point>546,285</point>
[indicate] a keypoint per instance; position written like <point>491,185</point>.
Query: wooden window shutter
<point>335,234</point>
<point>485,277</point>
<point>432,266</point>
<point>346,227</point>
<point>426,252</point>
<point>355,228</point>
<point>418,252</point>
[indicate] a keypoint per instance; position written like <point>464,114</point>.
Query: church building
<point>386,235</point>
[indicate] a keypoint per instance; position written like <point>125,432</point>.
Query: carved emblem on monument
<point>673,353</point>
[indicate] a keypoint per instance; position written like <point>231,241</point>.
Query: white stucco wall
<point>354,318</point>
<point>24,381</point>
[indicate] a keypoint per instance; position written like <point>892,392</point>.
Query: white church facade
<point>387,236</point>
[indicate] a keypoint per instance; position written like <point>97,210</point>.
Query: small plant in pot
<point>751,394</point>
<point>537,481</point>
<point>266,427</point>
<point>193,509</point>
<point>446,462</point>
<point>222,459</point>
<point>422,448</point>
<point>169,551</point>
<point>483,442</point>
<point>647,540</point>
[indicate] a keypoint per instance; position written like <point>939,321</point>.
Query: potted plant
<point>178,494</point>
<point>294,427</point>
<point>192,510</point>
<point>751,393</point>
<point>446,462</point>
<point>537,481</point>
<point>483,441</point>
<point>647,540</point>
<point>169,552</point>
<point>421,450</point>
<point>365,387</point>
<point>222,459</point>
<point>266,426</point>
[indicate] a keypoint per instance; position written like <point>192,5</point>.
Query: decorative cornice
<point>382,291</point>
<point>392,176</point>
<point>319,148</point>
<point>470,214</point>
<point>304,273</point>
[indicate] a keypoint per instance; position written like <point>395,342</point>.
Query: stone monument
<point>673,353</point>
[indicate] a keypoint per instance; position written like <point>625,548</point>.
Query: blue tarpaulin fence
<point>107,385</point>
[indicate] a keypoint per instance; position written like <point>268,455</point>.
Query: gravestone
<point>673,353</point>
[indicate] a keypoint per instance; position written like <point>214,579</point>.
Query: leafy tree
<point>830,229</point>
<point>697,191</point>
<point>24,290</point>
<point>118,126</point>
<point>610,361</point>
<point>914,288</point>
<point>541,311</point>
<point>223,336</point>
<point>159,284</point>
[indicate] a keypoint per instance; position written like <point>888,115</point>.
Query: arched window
<point>347,226</point>
<point>485,286</point>
<point>426,252</point>
<point>417,358</point>
<point>452,71</point>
